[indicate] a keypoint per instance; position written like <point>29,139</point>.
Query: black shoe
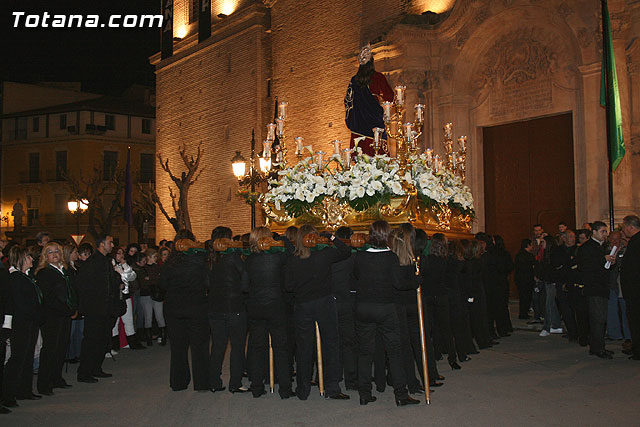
<point>102,374</point>
<point>504,334</point>
<point>367,399</point>
<point>87,380</point>
<point>44,393</point>
<point>455,366</point>
<point>407,401</point>
<point>340,396</point>
<point>214,389</point>
<point>435,384</point>
<point>4,410</point>
<point>10,403</point>
<point>62,385</point>
<point>286,394</point>
<point>440,377</point>
<point>602,355</point>
<point>241,389</point>
<point>474,352</point>
<point>464,359</point>
<point>258,393</point>
<point>134,342</point>
<point>32,396</point>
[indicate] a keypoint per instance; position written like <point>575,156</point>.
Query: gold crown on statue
<point>365,54</point>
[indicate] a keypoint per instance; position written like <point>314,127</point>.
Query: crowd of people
<point>86,304</point>
<point>588,280</point>
<point>76,305</point>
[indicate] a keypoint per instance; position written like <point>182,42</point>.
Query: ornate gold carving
<point>332,213</point>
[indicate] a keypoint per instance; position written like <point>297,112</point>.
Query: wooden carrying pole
<point>423,340</point>
<point>320,369</point>
<point>272,382</point>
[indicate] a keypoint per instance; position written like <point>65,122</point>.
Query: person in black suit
<point>99,296</point>
<point>227,313</point>
<point>591,260</point>
<point>185,279</point>
<point>630,280</point>
<point>27,318</point>
<point>59,307</point>
<point>524,277</point>
<point>378,273</point>
<point>309,278</point>
<point>6,316</point>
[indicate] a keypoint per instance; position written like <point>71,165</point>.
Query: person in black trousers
<point>378,273</point>
<point>630,280</point>
<point>27,318</point>
<point>185,279</point>
<point>6,316</point>
<point>459,316</point>
<point>227,313</point>
<point>561,262</point>
<point>477,299</point>
<point>59,307</point>
<point>341,280</point>
<point>266,315</point>
<point>309,278</point>
<point>591,259</point>
<point>436,299</point>
<point>524,277</point>
<point>504,268</point>
<point>99,301</point>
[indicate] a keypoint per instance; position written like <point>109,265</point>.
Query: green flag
<point>609,81</point>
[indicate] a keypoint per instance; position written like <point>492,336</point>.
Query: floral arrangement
<point>369,182</point>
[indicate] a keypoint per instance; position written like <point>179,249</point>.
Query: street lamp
<point>253,176</point>
<point>77,207</point>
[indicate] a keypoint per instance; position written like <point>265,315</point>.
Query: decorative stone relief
<point>564,10</point>
<point>585,37</point>
<point>517,73</point>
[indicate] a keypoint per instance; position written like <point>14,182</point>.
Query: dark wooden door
<point>528,177</point>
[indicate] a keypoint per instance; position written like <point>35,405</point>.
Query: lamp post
<point>77,207</point>
<point>253,176</point>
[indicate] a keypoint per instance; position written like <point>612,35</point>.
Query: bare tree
<point>180,219</point>
<point>103,196</point>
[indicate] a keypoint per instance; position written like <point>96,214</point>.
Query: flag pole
<point>605,55</point>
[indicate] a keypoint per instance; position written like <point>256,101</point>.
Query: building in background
<point>53,133</point>
<point>520,78</point>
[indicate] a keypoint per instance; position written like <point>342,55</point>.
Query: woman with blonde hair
<point>60,306</point>
<point>266,314</point>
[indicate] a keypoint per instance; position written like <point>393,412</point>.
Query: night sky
<point>105,60</point>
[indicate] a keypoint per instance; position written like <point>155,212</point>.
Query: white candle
<point>346,157</point>
<point>336,146</point>
<point>462,141</point>
<point>454,159</point>
<point>271,131</point>
<point>429,153</point>
<point>320,157</point>
<point>408,128</point>
<point>377,133</point>
<point>386,108</point>
<point>400,94</point>
<point>282,110</point>
<point>280,125</point>
<point>299,145</point>
<point>419,113</point>
<point>437,162</point>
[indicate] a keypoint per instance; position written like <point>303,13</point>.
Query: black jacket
<point>98,286</point>
<point>310,278</point>
<point>477,284</point>
<point>342,279</point>
<point>490,271</point>
<point>378,274</point>
<point>454,276</point>
<point>434,270</point>
<point>408,294</point>
<point>57,294</point>
<point>504,267</point>
<point>185,278</point>
<point>525,266</point>
<point>6,299</point>
<point>228,283</point>
<point>630,269</point>
<point>27,298</point>
<point>266,277</point>
<point>466,279</point>
<point>591,263</point>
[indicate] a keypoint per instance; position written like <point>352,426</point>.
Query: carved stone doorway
<point>528,177</point>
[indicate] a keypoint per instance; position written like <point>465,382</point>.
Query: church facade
<point>520,78</point>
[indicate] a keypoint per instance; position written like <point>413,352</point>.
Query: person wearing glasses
<point>60,306</point>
